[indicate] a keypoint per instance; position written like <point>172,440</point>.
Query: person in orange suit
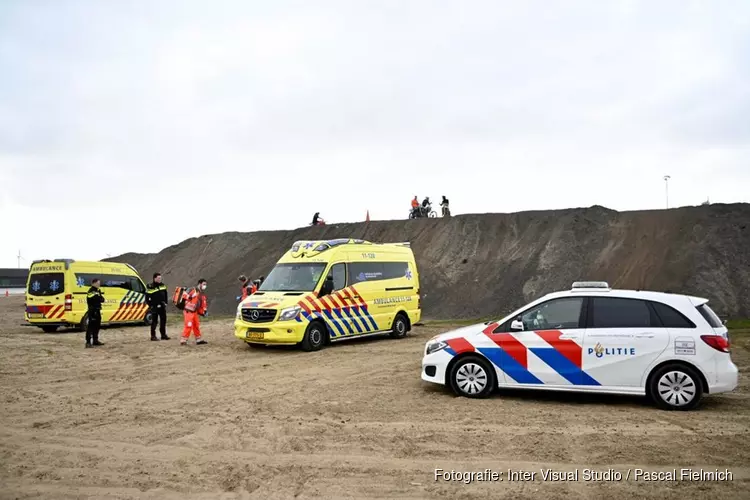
<point>245,283</point>
<point>196,305</point>
<point>414,206</point>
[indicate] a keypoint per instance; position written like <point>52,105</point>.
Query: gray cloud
<point>189,99</point>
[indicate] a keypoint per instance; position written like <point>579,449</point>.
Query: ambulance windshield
<point>293,278</point>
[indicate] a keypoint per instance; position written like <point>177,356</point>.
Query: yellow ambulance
<point>56,293</point>
<point>325,291</point>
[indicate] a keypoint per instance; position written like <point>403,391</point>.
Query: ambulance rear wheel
<point>400,327</point>
<point>49,329</point>
<point>84,324</point>
<point>315,336</point>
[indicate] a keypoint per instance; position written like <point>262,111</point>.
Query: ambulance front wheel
<point>315,336</point>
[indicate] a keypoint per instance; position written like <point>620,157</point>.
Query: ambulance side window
<point>136,285</point>
<point>339,276</point>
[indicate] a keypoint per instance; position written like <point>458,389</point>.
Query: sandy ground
<point>140,419</point>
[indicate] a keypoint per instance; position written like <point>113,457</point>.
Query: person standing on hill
<point>94,301</point>
<point>245,284</point>
<point>446,209</point>
<point>196,305</point>
<point>415,205</point>
<point>156,298</point>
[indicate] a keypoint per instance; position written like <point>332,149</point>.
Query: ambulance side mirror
<point>327,287</point>
<point>516,325</point>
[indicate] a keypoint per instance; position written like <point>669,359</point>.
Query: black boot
<point>97,343</point>
<point>153,337</point>
<point>164,336</point>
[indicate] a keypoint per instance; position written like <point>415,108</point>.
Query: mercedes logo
<point>254,315</point>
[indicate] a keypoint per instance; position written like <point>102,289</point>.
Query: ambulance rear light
<point>718,342</point>
<point>68,302</point>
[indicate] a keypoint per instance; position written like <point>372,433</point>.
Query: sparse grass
<point>739,324</point>
<point>455,322</point>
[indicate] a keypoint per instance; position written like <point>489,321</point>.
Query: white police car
<point>591,338</point>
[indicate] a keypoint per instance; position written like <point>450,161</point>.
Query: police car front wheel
<point>676,387</point>
<point>472,377</point>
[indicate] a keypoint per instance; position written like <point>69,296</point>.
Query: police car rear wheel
<point>472,377</point>
<point>315,336</point>
<point>148,317</point>
<point>400,327</point>
<point>676,387</point>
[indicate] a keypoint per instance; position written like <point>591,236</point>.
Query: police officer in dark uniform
<point>156,298</point>
<point>94,300</point>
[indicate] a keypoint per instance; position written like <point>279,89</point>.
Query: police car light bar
<point>590,284</point>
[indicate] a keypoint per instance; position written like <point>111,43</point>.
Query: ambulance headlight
<point>239,312</point>
<point>289,313</point>
<point>434,347</point>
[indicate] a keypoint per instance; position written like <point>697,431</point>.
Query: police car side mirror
<point>516,325</point>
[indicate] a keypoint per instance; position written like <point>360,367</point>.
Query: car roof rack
<point>590,285</point>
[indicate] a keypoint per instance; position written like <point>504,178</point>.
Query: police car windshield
<point>43,284</point>
<point>293,278</point>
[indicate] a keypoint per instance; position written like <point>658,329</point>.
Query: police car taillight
<point>68,302</point>
<point>718,342</point>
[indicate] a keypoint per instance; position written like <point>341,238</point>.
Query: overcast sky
<point>255,114</point>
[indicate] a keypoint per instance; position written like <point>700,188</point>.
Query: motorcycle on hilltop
<point>422,212</point>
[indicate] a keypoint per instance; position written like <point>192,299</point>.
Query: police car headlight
<point>435,347</point>
<point>289,313</point>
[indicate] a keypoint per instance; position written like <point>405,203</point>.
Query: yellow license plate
<point>254,335</point>
<point>35,315</point>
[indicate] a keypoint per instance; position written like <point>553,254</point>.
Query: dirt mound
<point>482,265</point>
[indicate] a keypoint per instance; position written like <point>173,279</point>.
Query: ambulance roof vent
<point>590,285</point>
<point>401,244</point>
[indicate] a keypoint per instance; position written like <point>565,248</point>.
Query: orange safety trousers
<point>192,325</point>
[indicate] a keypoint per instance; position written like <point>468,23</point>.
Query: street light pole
<point>666,188</point>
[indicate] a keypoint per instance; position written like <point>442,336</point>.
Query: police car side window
<point>670,317</point>
<point>555,314</point>
<point>612,312</point>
